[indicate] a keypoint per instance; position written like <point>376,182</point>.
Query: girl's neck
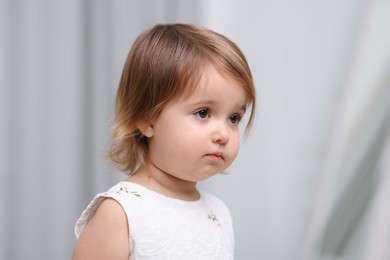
<point>161,182</point>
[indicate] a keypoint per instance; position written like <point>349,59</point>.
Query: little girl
<point>182,94</point>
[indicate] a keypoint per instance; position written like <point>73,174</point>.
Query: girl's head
<point>164,64</point>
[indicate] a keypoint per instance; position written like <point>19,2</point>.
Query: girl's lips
<point>216,156</point>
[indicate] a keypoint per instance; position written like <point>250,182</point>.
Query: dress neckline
<point>162,197</point>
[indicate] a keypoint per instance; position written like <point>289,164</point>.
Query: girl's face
<point>197,135</point>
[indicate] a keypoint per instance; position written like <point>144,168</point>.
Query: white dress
<point>165,228</point>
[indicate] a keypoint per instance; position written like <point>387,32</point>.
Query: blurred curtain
<point>351,219</point>
<point>60,64</point>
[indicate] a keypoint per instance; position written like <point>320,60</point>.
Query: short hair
<point>165,62</point>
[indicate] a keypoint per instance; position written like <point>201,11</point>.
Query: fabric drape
<point>351,217</point>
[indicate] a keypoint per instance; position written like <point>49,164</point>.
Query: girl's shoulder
<point>120,192</point>
<point>105,235</point>
<point>212,201</point>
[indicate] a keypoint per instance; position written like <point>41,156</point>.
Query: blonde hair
<point>165,62</point>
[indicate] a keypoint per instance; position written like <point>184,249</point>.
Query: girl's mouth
<point>215,156</point>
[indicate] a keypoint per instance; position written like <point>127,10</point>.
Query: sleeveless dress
<point>161,227</point>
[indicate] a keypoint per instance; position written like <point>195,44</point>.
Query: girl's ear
<point>146,129</point>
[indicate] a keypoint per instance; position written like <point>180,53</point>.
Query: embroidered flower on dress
<point>135,193</point>
<point>122,190</point>
<point>126,190</point>
<point>214,218</point>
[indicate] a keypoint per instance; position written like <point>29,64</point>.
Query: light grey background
<point>320,72</point>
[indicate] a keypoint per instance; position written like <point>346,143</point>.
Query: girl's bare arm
<point>105,236</point>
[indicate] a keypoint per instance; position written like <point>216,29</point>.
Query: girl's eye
<point>203,113</point>
<point>235,119</point>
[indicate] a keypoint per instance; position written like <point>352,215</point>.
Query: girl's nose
<point>221,133</point>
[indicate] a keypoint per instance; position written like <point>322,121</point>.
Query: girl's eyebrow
<point>243,108</point>
<point>204,102</point>
<point>208,102</point>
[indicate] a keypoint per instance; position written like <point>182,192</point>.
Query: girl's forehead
<point>213,85</point>
<point>215,81</point>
